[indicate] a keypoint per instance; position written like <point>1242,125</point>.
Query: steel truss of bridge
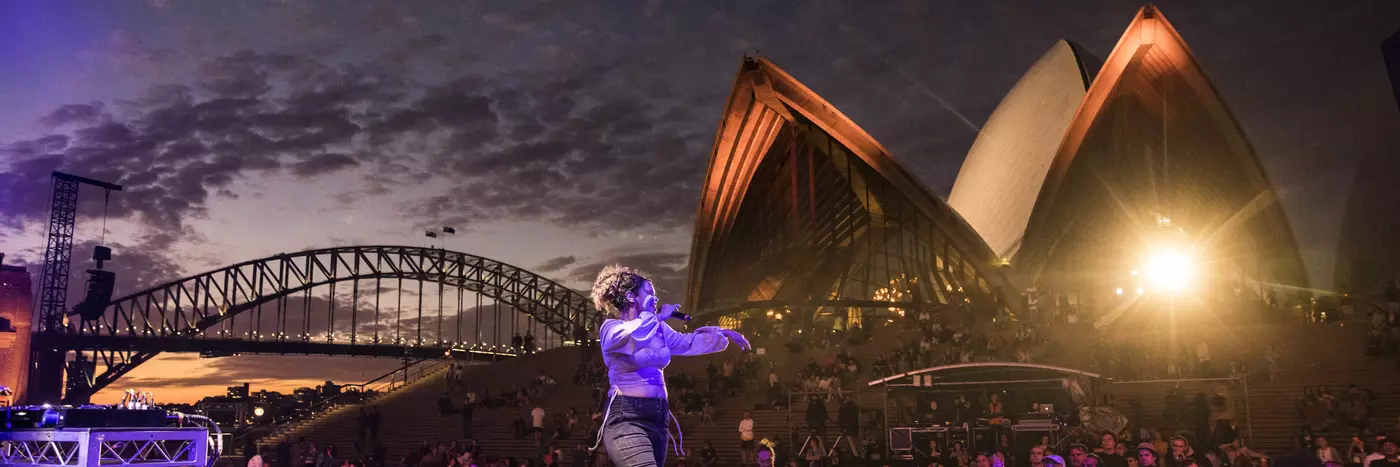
<point>233,346</point>
<point>265,306</point>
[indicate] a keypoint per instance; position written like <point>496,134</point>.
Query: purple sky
<point>557,135</point>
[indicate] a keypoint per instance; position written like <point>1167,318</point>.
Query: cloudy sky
<point>557,135</point>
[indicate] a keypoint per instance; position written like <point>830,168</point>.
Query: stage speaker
<point>984,439</point>
<point>923,437</point>
<point>99,293</point>
<point>901,439</point>
<point>1023,440</point>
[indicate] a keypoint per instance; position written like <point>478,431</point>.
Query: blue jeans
<point>635,431</point>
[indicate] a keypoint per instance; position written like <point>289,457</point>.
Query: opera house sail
<point>1151,157</point>
<point>1003,172</point>
<point>806,216</point>
<point>1368,256</point>
<point>1390,49</point>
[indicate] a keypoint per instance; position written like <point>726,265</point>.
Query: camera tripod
<point>813,443</point>
<point>850,442</point>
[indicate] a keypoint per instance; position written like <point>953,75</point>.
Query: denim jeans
<point>635,431</point>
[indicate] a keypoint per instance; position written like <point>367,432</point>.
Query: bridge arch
<point>180,314</point>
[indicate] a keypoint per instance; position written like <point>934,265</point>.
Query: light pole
<point>442,267</point>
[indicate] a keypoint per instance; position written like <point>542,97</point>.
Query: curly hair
<point>610,289</point>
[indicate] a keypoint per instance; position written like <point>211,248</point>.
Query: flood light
<point>1170,269</point>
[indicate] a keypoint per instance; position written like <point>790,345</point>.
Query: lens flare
<point>1170,269</point>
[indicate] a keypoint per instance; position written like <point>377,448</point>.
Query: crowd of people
<point>1383,339</point>
<point>823,364</point>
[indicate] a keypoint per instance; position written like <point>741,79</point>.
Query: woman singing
<point>637,345</point>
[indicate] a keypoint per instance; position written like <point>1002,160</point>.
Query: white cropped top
<point>637,351</point>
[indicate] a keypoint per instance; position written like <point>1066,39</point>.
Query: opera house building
<point>1098,180</point>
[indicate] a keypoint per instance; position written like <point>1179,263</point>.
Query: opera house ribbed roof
<point>1080,165</point>
<point>802,209</point>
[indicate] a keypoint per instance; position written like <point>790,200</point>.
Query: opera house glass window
<point>819,232</point>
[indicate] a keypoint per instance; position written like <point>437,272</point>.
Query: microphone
<point>656,307</point>
<point>678,315</point>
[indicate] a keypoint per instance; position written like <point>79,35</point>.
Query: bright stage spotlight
<point>1170,269</point>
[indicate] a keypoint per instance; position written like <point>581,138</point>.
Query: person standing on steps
<point>746,439</point>
<point>537,420</point>
<point>467,408</point>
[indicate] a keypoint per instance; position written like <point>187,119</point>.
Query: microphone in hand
<point>672,311</point>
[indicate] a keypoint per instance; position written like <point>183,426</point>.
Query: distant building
<point>227,411</point>
<point>239,392</point>
<point>306,397</point>
<point>16,317</point>
<point>329,390</point>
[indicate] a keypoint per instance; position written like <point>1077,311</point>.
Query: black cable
<point>215,441</point>
<point>106,200</point>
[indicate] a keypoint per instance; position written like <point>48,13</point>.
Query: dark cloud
<point>603,166</point>
<point>179,144</point>
<point>575,148</point>
<point>243,74</point>
<point>415,48</point>
<point>555,264</point>
<point>25,189</point>
<point>321,164</point>
<point>128,50</point>
<point>667,270</point>
<point>72,113</point>
<point>458,112</point>
<point>27,149</point>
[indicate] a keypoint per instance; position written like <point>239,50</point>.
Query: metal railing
<point>365,393</point>
<point>377,387</point>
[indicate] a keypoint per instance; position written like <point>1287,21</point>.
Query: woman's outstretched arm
<point>706,340</point>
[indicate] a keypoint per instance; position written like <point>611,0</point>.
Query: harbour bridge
<point>346,301</point>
